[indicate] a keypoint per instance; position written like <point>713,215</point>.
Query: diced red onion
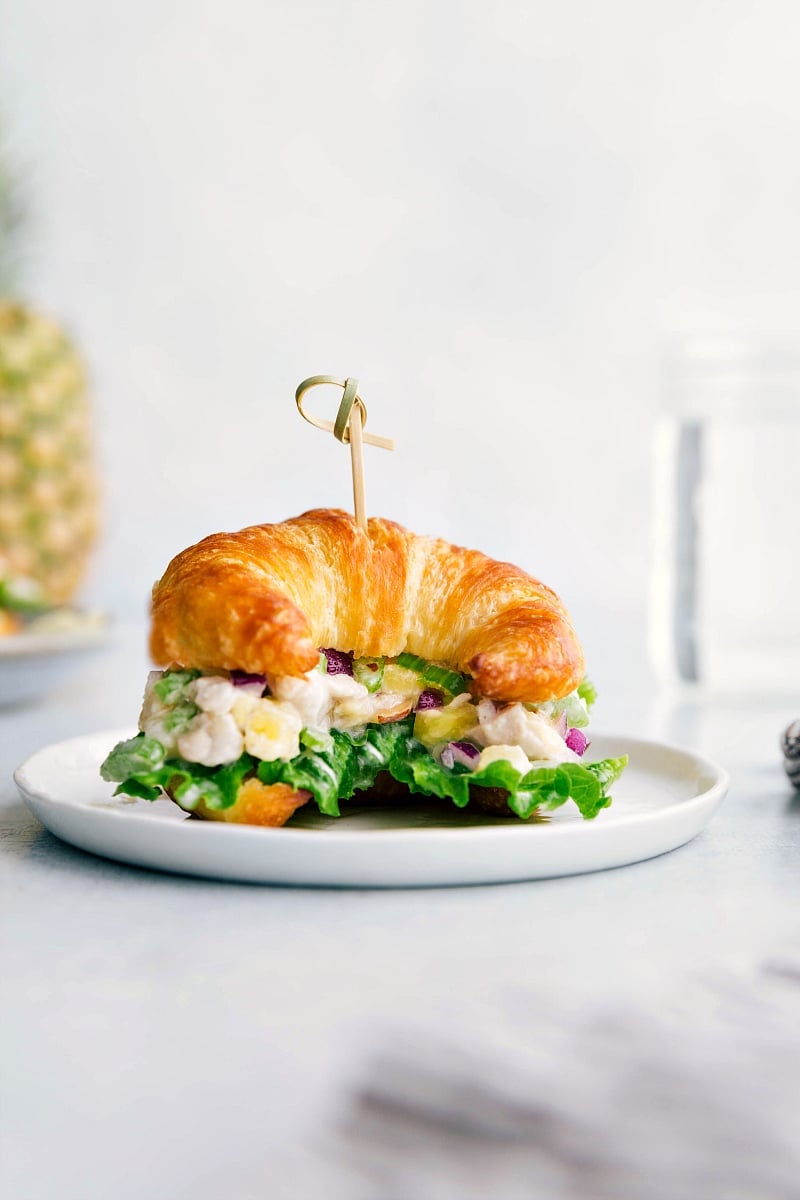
<point>577,741</point>
<point>466,750</point>
<point>562,725</point>
<point>339,662</point>
<point>463,753</point>
<point>430,698</point>
<point>242,679</point>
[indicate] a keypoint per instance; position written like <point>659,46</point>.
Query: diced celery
<point>316,739</point>
<point>170,687</point>
<point>177,719</point>
<point>369,671</point>
<point>573,705</point>
<point>442,677</point>
<point>435,676</point>
<point>412,662</point>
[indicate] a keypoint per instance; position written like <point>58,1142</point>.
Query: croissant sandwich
<point>311,660</point>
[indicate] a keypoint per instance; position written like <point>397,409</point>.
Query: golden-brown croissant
<point>257,804</point>
<point>265,599</point>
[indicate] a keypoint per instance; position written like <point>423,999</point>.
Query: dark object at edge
<point>790,745</point>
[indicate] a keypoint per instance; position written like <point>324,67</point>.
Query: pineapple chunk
<point>400,679</point>
<point>435,725</point>
<point>272,731</point>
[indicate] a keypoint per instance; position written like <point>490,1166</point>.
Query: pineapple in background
<point>48,489</point>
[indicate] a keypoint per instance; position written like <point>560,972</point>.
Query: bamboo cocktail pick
<point>348,427</point>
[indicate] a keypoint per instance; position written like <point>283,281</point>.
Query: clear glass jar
<point>726,570</point>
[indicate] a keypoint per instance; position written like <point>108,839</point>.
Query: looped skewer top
<point>340,427</point>
<point>348,428</point>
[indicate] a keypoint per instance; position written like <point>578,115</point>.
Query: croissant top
<point>265,599</point>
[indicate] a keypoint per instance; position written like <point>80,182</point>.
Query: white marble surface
<point>621,1034</point>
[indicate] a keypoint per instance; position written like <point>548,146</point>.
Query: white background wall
<point>495,215</point>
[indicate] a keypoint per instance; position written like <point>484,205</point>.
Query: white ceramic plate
<point>35,661</point>
<point>664,799</point>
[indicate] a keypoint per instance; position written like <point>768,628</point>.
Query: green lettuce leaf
<point>229,777</point>
<point>351,763</point>
<point>135,786</point>
<point>315,739</point>
<point>411,763</point>
<point>327,774</point>
<point>142,769</point>
<point>138,755</point>
<point>376,749</point>
<point>541,788</point>
<point>192,789</point>
<point>191,782</point>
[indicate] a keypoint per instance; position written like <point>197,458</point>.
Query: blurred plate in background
<point>43,656</point>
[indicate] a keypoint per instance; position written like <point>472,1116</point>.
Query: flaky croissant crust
<point>266,598</point>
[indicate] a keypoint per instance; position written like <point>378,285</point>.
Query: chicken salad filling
<point>335,729</point>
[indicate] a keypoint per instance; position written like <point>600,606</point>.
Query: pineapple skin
<point>48,485</point>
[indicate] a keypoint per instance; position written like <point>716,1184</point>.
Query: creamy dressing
<point>515,725</point>
<point>323,701</point>
<point>211,739</point>
<point>511,754</point>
